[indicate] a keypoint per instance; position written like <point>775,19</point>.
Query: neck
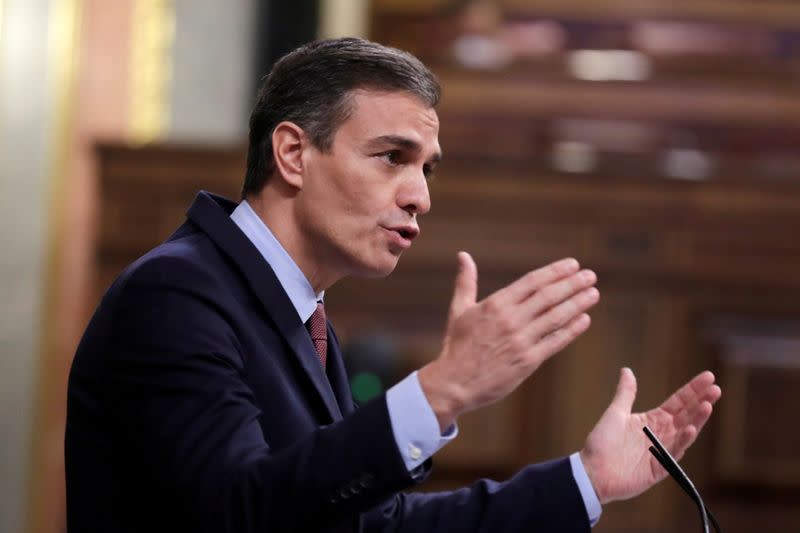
<point>276,209</point>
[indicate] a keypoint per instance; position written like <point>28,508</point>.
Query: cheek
<point>363,202</point>
<point>352,200</point>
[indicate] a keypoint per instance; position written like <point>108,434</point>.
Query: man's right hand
<point>492,346</point>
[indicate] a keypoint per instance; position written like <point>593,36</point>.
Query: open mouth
<point>409,232</point>
<point>403,235</point>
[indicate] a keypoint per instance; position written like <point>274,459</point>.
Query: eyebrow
<point>404,142</point>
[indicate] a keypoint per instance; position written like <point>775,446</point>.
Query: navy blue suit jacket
<point>196,403</point>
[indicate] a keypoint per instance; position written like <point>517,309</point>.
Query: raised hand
<point>616,453</point>
<point>492,346</point>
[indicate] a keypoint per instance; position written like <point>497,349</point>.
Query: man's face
<point>358,207</point>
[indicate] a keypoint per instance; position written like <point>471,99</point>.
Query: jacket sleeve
<point>540,498</point>
<point>176,373</point>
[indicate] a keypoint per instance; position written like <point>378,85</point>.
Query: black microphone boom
<point>677,473</point>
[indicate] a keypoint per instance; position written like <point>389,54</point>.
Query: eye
<point>427,170</point>
<point>391,157</point>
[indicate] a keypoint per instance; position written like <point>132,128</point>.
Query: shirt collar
<point>289,275</point>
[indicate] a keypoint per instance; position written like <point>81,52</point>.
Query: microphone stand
<point>676,472</point>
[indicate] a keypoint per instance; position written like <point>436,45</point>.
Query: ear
<point>288,143</point>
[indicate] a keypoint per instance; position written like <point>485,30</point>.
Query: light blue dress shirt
<point>416,430</point>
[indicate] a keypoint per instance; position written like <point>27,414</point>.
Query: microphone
<point>677,473</point>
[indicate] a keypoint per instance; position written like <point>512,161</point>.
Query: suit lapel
<point>338,375</point>
<point>211,213</point>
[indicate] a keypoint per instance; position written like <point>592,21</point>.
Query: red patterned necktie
<point>318,328</point>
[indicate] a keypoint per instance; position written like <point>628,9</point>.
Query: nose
<point>414,196</point>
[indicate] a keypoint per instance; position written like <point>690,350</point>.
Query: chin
<point>378,269</point>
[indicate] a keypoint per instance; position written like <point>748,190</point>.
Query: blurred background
<point>658,141</point>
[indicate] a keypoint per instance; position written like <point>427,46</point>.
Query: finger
<point>697,417</point>
<point>685,438</point>
<point>560,338</point>
<point>689,415</point>
<point>688,432</point>
<point>531,282</point>
<point>702,416</point>
<point>557,293</point>
<point>465,292</point>
<point>713,394</point>
<point>690,394</point>
<point>626,391</point>
<point>561,314</point>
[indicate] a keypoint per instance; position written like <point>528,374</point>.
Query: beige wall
<point>27,121</point>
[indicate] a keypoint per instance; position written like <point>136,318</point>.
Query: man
<point>209,394</point>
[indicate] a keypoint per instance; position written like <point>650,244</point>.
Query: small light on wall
<point>481,53</point>
<point>687,164</point>
<point>574,157</point>
<point>608,65</point>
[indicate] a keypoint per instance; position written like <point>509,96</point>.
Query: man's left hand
<point>616,453</point>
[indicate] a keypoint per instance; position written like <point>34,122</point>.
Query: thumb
<point>626,391</point>
<point>465,292</point>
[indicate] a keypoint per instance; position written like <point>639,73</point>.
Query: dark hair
<point>311,87</point>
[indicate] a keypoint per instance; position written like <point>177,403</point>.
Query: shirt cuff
<point>593,508</point>
<point>414,424</point>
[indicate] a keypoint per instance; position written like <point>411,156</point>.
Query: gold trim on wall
<point>152,39</point>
